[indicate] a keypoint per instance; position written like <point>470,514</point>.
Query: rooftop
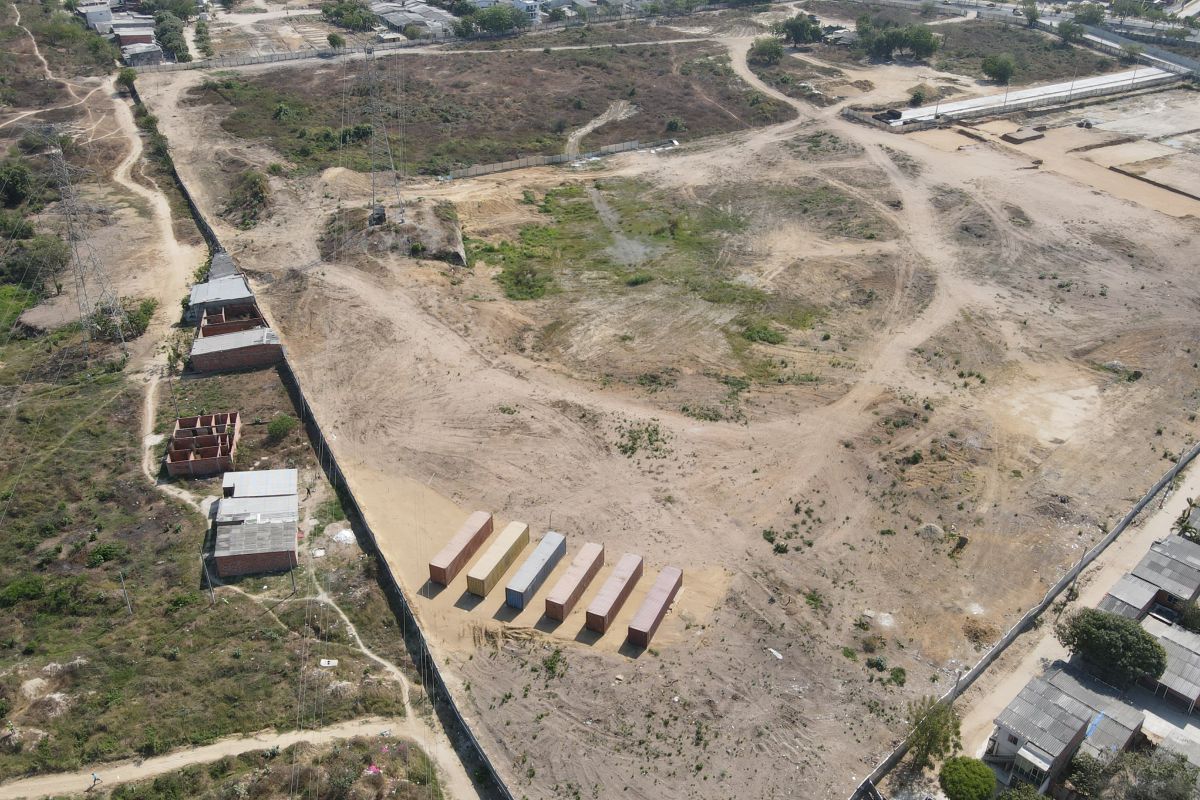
<point>221,290</point>
<point>233,341</point>
<point>1169,566</point>
<point>1114,721</point>
<point>1046,716</point>
<point>233,510</point>
<point>1129,596</point>
<point>1182,674</point>
<point>222,266</point>
<point>140,47</point>
<point>259,483</point>
<point>255,537</point>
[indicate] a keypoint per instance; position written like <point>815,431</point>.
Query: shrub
<point>280,427</point>
<point>999,68</point>
<point>766,50</point>
<point>762,332</point>
<point>963,778</point>
<point>1115,648</point>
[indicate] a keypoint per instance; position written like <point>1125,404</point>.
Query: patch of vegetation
<point>353,15</point>
<point>1036,58</point>
<point>453,117</point>
<point>249,199</point>
<point>1117,649</point>
<point>66,43</point>
<point>645,438</point>
<point>359,767</point>
<point>168,30</point>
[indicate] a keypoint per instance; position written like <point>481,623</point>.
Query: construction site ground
<point>873,394</point>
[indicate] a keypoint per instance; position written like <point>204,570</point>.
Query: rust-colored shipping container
<point>574,582</point>
<point>485,573</point>
<point>654,607</point>
<point>613,593</point>
<point>458,551</point>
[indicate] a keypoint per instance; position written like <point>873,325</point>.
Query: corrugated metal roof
<point>1133,590</point>
<point>222,266</point>
<point>1180,549</point>
<point>240,509</point>
<point>1119,607</point>
<point>1169,574</point>
<point>259,483</point>
<point>1182,674</point>
<point>220,290</point>
<point>233,341</point>
<point>1046,716</point>
<point>255,537</point>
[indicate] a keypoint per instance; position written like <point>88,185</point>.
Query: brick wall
<point>255,562</point>
<point>259,355</point>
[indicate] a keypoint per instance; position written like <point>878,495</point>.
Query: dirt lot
<point>874,425</point>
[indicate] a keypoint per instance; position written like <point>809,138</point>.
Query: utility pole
<point>212,596</point>
<point>124,591</point>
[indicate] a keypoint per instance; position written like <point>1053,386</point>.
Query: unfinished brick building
<point>257,522</point>
<point>231,318</point>
<point>204,445</point>
<point>258,347</point>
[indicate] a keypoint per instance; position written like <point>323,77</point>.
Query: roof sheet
<point>1134,591</point>
<point>1182,674</point>
<point>1114,605</point>
<point>1180,549</point>
<point>255,537</point>
<point>1169,574</point>
<point>259,483</point>
<point>1046,716</point>
<point>234,341</point>
<point>220,290</point>
<point>222,266</point>
<point>241,509</point>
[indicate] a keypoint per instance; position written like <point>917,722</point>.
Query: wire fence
<point>867,789</point>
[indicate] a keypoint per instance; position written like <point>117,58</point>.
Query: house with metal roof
<point>1164,580</point>
<point>257,522</point>
<point>1053,718</point>
<point>1180,681</point>
<point>217,292</point>
<point>257,347</point>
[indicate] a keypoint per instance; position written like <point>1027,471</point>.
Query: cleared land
<point>854,384</point>
<point>460,109</point>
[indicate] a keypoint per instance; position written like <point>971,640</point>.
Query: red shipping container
<point>654,607</point>
<point>458,551</point>
<point>614,592</point>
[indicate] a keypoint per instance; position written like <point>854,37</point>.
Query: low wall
<point>867,790</point>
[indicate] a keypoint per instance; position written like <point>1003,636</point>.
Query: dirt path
<point>73,783</point>
<point>986,699</point>
<point>617,110</point>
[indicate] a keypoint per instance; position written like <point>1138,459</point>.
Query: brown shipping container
<point>613,593</point>
<point>458,551</point>
<point>654,607</point>
<point>574,582</point>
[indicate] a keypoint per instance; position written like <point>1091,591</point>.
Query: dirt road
<point>126,771</point>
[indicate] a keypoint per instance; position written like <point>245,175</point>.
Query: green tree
<point>1030,9</point>
<point>16,182</point>
<point>1159,776</point>
<point>766,50</point>
<point>1129,8</point>
<point>1022,791</point>
<point>1087,774</point>
<point>1069,31</point>
<point>934,731</point>
<point>1115,648</point>
<point>125,78</point>
<point>1130,53</point>
<point>336,41</point>
<point>963,778</point>
<point>30,263</point>
<point>500,19</point>
<point>999,68</point>
<point>1090,14</point>
<point>801,30</point>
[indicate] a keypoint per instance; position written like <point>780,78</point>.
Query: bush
<point>999,68</point>
<point>250,197</point>
<point>1022,791</point>
<point>280,427</point>
<point>1115,648</point>
<point>762,332</point>
<point>766,50</point>
<point>353,15</point>
<point>964,778</point>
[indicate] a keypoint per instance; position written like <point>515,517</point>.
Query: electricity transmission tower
<point>100,309</point>
<point>379,145</point>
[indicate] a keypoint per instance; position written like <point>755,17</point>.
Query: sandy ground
<point>1050,281</point>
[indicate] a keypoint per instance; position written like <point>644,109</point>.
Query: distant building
<point>530,8</point>
<point>203,445</point>
<point>399,15</point>
<point>130,36</point>
<point>96,15</point>
<point>259,347</point>
<point>257,522</point>
<point>141,55</point>
<point>1052,719</point>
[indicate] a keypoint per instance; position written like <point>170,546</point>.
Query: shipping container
<point>574,582</point>
<point>612,594</point>
<point>654,607</point>
<point>533,572</point>
<point>492,565</point>
<point>458,551</point>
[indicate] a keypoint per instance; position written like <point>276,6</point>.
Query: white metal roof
<point>221,290</point>
<point>259,483</point>
<point>233,341</point>
<point>258,509</point>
